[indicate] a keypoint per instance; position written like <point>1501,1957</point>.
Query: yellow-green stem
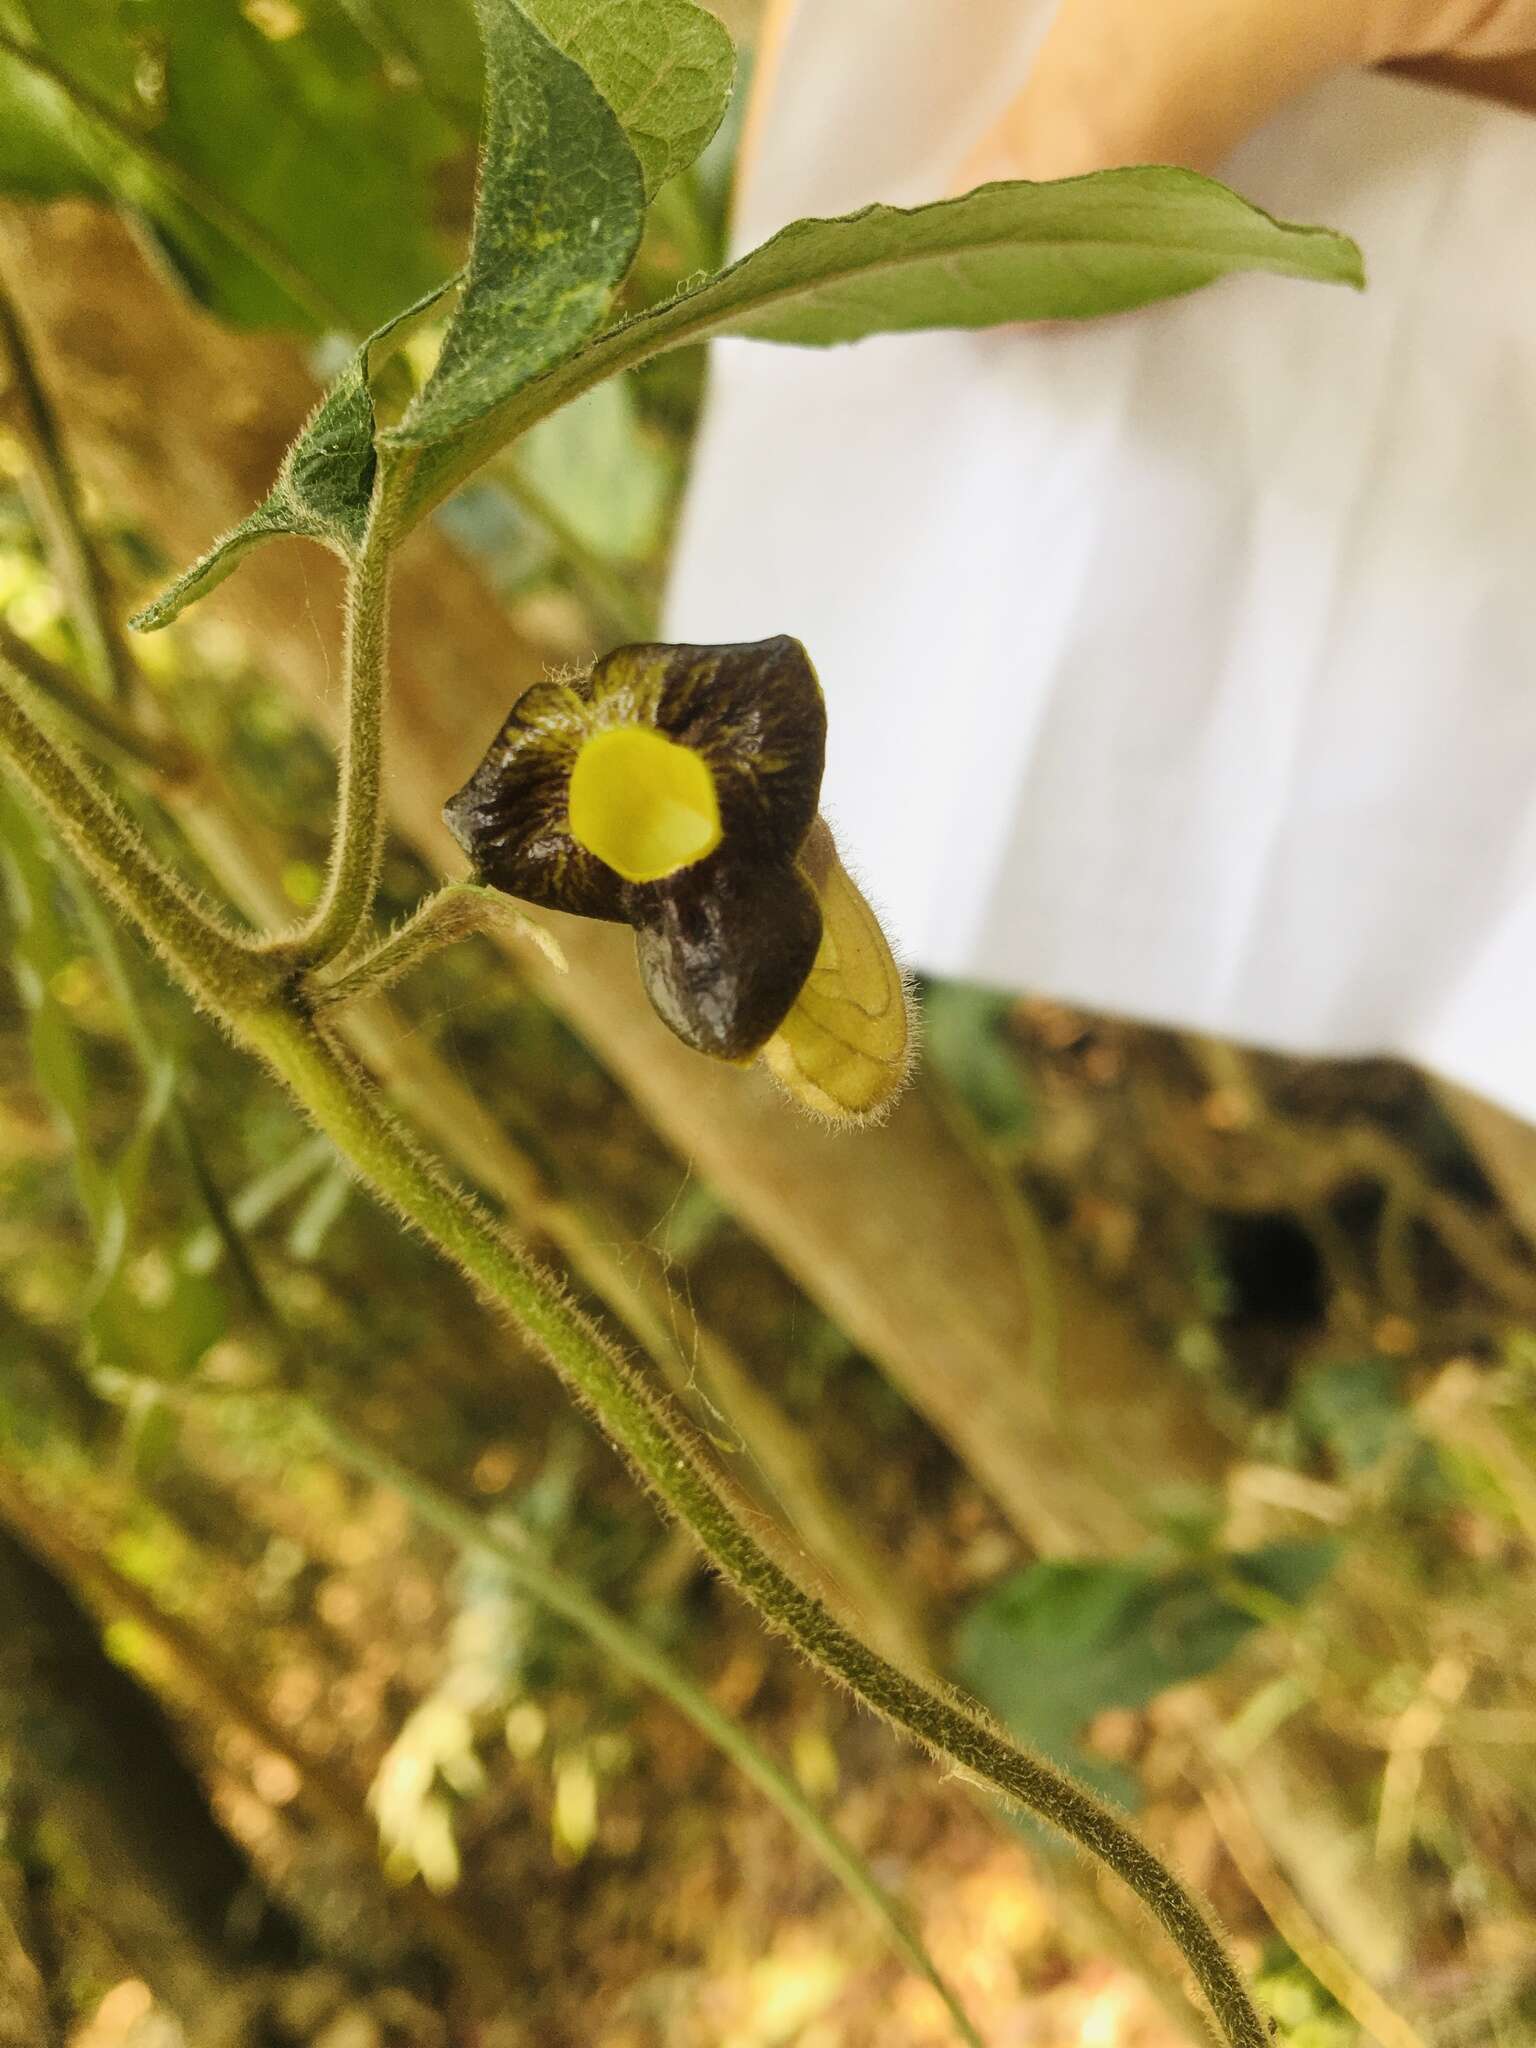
<point>203,952</point>
<point>357,845</point>
<point>252,995</point>
<point>338,1097</point>
<point>456,911</point>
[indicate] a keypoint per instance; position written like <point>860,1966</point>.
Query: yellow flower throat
<point>641,803</point>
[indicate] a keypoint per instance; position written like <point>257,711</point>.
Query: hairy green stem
<point>666,1459</point>
<point>456,911</point>
<point>204,953</point>
<point>533,1574</point>
<point>338,1096</point>
<point>633,1650</point>
<point>438,1104</point>
<point>357,845</point>
<point>59,514</point>
<point>252,994</point>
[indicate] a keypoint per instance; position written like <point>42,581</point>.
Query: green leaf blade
<point>557,223</point>
<point>559,216</point>
<point>1053,1645</point>
<point>208,129</point>
<point>1072,250</point>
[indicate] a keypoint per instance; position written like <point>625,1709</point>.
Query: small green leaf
<point>1355,1410</point>
<point>664,66</point>
<point>322,491</point>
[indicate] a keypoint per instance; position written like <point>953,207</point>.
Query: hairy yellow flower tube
<point>674,789</point>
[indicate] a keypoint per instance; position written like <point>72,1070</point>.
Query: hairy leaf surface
<point>557,223</point>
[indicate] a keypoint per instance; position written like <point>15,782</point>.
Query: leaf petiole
<point>457,911</point>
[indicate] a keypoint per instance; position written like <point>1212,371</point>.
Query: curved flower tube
<point>674,789</point>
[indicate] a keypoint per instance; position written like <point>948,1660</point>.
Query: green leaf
<point>46,149</point>
<point>322,491</point>
<point>1355,1409</point>
<point>558,218</point>
<point>1056,1644</point>
<point>1013,252</point>
<point>1064,251</point>
<point>557,223</point>
<point>664,66</point>
<point>211,131</point>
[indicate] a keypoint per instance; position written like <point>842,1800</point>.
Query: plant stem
<point>58,510</point>
<point>357,845</point>
<point>205,954</point>
<point>456,911</point>
<point>245,990</point>
<point>667,1460</point>
<point>631,1648</point>
<point>436,1102</point>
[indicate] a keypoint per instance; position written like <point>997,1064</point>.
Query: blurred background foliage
<point>273,1713</point>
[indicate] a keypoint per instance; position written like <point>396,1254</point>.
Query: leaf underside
<point>1071,250</point>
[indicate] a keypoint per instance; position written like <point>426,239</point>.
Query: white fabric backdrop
<point>1182,665</point>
